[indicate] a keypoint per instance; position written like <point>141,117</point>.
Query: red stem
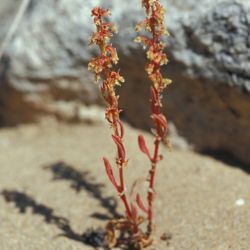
<point>155,110</point>
<point>152,171</point>
<point>121,175</point>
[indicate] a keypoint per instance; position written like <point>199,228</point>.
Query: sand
<point>54,188</point>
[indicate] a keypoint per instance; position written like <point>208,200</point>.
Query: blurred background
<point>52,132</point>
<point>44,55</point>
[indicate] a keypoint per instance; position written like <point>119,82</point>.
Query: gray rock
<point>209,101</point>
<point>8,8</point>
<point>45,63</point>
<point>209,50</point>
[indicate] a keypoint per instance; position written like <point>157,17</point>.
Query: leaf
<point>110,173</point>
<point>120,147</point>
<point>140,204</point>
<point>143,147</point>
<point>162,121</point>
<point>121,128</point>
<point>134,211</point>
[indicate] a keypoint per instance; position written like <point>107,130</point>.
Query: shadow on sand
<point>82,180</point>
<point>23,202</point>
<point>79,181</point>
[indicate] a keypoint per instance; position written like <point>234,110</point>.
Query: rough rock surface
<point>209,47</point>
<point>7,11</point>
<point>209,102</point>
<point>44,69</point>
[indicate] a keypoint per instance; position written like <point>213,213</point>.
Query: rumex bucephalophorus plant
<point>128,230</point>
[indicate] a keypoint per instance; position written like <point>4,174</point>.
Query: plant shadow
<point>79,180</point>
<point>82,180</point>
<point>24,202</point>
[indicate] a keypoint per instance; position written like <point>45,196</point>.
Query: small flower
<point>150,68</point>
<point>142,24</point>
<point>166,81</point>
<point>144,40</point>
<point>113,53</point>
<point>98,13</point>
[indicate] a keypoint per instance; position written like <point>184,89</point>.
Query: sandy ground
<point>54,188</point>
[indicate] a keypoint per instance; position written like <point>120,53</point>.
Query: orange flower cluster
<point>102,65</point>
<point>154,23</point>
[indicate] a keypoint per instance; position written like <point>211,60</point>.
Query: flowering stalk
<point>103,68</point>
<point>154,23</point>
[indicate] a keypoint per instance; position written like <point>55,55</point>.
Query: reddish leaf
<point>140,204</point>
<point>162,121</point>
<point>110,173</point>
<point>134,211</point>
<point>120,147</point>
<point>121,129</point>
<point>142,145</point>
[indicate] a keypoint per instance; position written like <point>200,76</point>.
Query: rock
<point>209,50</point>
<point>45,64</point>
<point>7,12</point>
<point>209,102</point>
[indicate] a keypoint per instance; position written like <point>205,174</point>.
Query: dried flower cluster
<point>154,23</point>
<point>127,230</point>
<point>103,68</point>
